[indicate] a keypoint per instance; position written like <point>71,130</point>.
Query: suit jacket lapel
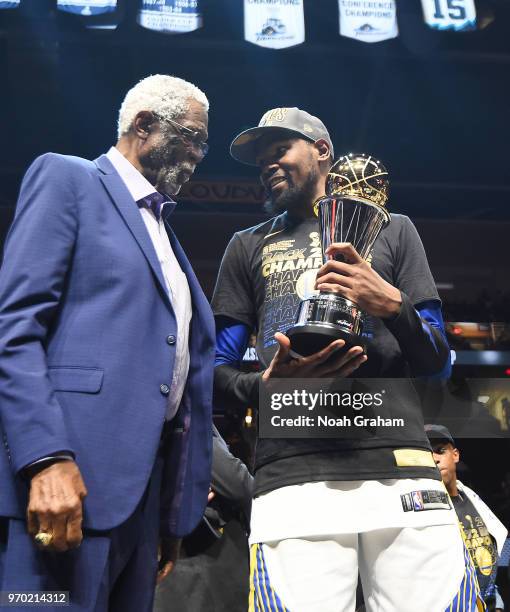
<point>197,295</point>
<point>203,319</point>
<point>128,209</point>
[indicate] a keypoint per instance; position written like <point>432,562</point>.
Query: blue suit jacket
<point>84,321</point>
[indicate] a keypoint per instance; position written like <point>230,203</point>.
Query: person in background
<point>483,533</point>
<point>213,571</point>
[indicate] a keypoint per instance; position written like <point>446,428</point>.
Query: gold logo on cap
<point>308,128</point>
<point>276,114</point>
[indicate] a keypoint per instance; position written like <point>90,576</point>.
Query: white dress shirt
<point>175,279</point>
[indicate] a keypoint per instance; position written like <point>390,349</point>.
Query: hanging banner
<point>170,16</point>
<point>368,20</point>
<point>7,4</point>
<point>455,15</point>
<point>275,24</point>
<point>87,7</point>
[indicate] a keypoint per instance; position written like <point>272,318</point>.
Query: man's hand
<point>355,280</point>
<point>169,549</point>
<point>318,365</point>
<point>55,505</point>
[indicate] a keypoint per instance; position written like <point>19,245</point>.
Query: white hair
<point>166,96</point>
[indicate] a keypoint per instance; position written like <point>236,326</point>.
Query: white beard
<point>168,180</point>
<point>170,177</point>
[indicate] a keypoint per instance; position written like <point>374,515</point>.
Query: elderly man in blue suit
<point>106,363</point>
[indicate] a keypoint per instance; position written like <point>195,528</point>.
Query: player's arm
<point>230,476</point>
<point>421,335</point>
<point>234,308</point>
<point>428,355</point>
<point>230,384</point>
<point>419,328</point>
<point>433,324</point>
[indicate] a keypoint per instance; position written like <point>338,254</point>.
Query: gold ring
<point>43,539</point>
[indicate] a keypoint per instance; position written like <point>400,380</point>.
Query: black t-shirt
<point>265,272</point>
<point>481,545</point>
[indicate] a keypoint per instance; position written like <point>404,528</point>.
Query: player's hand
<point>55,505</point>
<point>318,365</point>
<point>169,549</point>
<point>355,280</point>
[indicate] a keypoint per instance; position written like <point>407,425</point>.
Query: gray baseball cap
<point>439,432</point>
<point>283,122</point>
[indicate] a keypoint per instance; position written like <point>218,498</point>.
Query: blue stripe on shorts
<point>467,598</point>
<point>263,598</point>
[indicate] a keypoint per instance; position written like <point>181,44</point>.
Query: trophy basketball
<point>353,210</point>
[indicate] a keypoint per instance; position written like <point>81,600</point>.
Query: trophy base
<point>313,337</point>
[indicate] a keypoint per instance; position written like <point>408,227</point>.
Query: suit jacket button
<point>170,340</point>
<point>165,389</point>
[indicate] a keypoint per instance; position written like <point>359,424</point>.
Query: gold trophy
<point>353,210</point>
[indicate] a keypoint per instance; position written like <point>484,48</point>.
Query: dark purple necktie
<point>154,202</point>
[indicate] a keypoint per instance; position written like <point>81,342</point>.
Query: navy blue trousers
<point>112,571</point>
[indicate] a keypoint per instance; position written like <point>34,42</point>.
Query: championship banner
<point>87,7</point>
<point>275,24</point>
<point>7,4</point>
<point>170,16</point>
<point>455,15</point>
<point>368,20</point>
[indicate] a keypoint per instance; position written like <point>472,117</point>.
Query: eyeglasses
<point>190,136</point>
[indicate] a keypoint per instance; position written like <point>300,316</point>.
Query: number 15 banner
<point>450,14</point>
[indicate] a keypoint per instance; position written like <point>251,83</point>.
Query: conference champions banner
<point>275,24</point>
<point>87,7</point>
<point>7,4</point>
<point>170,16</point>
<point>368,20</point>
<point>455,15</point>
